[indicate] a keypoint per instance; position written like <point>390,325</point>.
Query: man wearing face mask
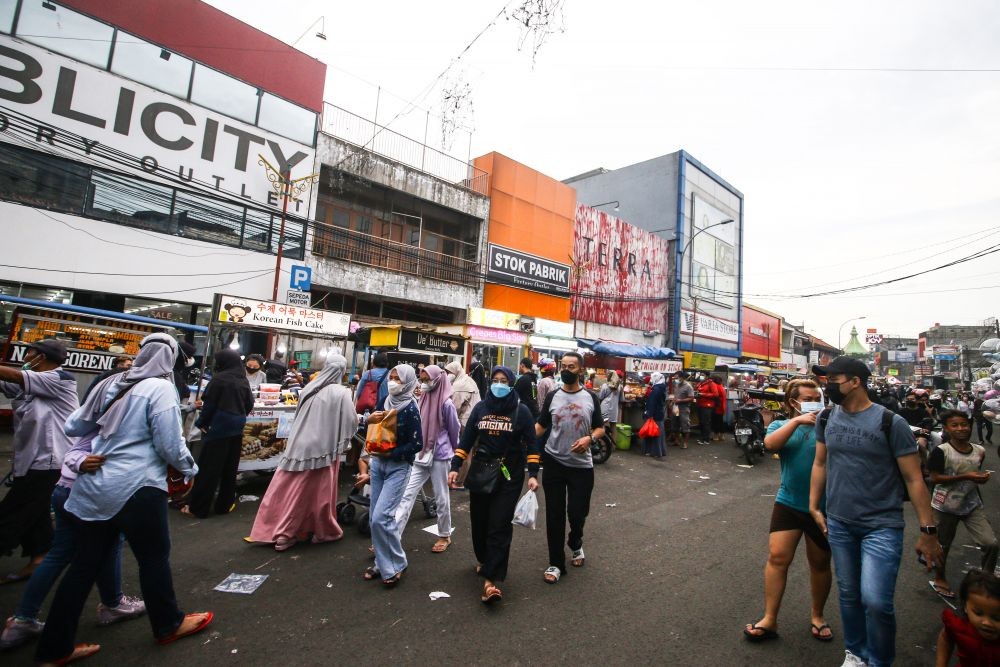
<point>866,459</point>
<point>44,396</point>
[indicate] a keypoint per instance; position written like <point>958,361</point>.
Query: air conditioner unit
<point>528,324</point>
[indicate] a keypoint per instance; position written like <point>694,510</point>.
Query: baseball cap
<point>53,349</point>
<point>844,366</point>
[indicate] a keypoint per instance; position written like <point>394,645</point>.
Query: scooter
<point>601,449</point>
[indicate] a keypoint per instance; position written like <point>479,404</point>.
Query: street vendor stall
<point>268,425</point>
<point>404,345</point>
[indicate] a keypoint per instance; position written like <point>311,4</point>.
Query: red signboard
<point>761,335</point>
<point>619,272</point>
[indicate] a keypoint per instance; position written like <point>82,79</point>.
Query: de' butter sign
<point>511,267</point>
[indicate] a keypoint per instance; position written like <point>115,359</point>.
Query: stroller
<point>358,503</point>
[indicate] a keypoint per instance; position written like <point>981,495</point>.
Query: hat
<point>844,366</point>
<point>53,349</point>
<point>683,374</point>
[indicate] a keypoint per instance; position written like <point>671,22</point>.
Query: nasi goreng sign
<point>240,311</point>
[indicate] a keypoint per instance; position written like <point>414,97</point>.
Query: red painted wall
<point>210,36</point>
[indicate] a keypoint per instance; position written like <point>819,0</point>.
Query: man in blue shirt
<point>864,468</point>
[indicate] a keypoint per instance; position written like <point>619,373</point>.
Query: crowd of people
<point>847,464</point>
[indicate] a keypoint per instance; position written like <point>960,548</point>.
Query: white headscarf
<point>657,378</point>
<point>462,381</point>
<point>325,421</point>
<point>408,378</point>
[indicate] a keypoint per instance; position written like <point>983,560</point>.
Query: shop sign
<point>665,366</point>
<point>422,341</point>
<point>553,328</point>
<point>520,269</point>
<point>79,109</point>
<point>873,338</point>
<point>709,327</point>
<point>270,315</point>
<point>497,336</point>
<point>945,352</point>
<point>902,357</point>
<point>295,297</point>
<point>544,343</point>
<point>699,362</point>
<point>923,369</point>
<point>813,357</point>
<point>87,362</point>
<point>494,319</point>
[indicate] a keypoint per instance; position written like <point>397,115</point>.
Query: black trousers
<point>492,530</point>
<point>24,514</point>
<point>143,520</point>
<point>705,422</point>
<point>980,423</point>
<point>218,464</point>
<point>567,493</point>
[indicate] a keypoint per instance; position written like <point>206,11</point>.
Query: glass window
<point>223,93</point>
<point>42,180</point>
<point>160,310</point>
<point>257,230</point>
<point>200,217</point>
<point>364,223</point>
<point>144,62</point>
<point>127,201</point>
<point>65,31</point>
<point>341,218</point>
<point>7,8</point>
<point>287,119</point>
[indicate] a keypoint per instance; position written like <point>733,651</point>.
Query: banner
<point>422,341</point>
<point>665,366</point>
<point>507,266</point>
<point>270,315</point>
<point>700,362</point>
<point>710,327</point>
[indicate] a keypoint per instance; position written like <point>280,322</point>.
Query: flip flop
<point>74,657</point>
<point>169,639</point>
<point>768,633</point>
<point>441,546</point>
<point>370,573</point>
<point>491,594</point>
<point>947,595</point>
<point>394,579</point>
<point>817,632</point>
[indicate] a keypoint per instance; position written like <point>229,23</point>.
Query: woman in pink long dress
<point>301,501</point>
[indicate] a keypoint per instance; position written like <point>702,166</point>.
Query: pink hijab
<point>431,403</point>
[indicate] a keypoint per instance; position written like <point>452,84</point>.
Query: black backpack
<point>887,416</point>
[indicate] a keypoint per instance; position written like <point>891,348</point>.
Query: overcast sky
<point>849,177</point>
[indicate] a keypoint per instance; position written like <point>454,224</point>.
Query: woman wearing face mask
<point>389,473</point>
<point>440,428</point>
<point>464,391</point>
<point>255,372</point>
<point>656,409</point>
<point>504,429</point>
<point>795,441</point>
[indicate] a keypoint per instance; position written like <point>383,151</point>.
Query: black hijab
<point>229,388</point>
<point>508,404</point>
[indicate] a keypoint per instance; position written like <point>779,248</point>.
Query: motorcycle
<point>749,431</point>
<point>600,449</point>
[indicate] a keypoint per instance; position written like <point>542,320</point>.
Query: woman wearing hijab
<point>500,427</point>
<point>302,497</point>
<point>610,395</point>
<point>439,427</point>
<point>656,406</point>
<point>464,391</point>
<point>226,403</point>
<point>389,473</point>
<point>135,422</point>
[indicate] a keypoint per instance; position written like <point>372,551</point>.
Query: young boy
<point>955,470</point>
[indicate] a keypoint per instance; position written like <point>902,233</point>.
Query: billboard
<point>620,272</point>
<point>761,335</point>
<point>507,266</point>
<point>713,271</point>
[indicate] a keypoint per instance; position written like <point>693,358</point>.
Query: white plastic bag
<point>526,511</point>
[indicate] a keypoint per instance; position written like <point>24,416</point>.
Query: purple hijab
<point>431,403</point>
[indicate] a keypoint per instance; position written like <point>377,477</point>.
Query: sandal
<point>394,579</point>
<point>441,545</point>
<point>766,633</point>
<point>817,633</point>
<point>371,573</point>
<point>946,593</point>
<point>552,574</point>
<point>202,624</point>
<point>579,560</point>
<point>491,594</point>
<point>80,652</point>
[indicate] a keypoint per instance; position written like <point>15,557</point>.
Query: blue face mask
<point>500,390</point>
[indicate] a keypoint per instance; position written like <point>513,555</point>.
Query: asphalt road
<point>674,570</point>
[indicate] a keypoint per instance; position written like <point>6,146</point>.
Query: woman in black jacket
<point>501,427</point>
<point>227,401</point>
<point>656,407</point>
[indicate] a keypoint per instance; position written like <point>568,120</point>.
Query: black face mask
<point>834,393</point>
<point>568,377</point>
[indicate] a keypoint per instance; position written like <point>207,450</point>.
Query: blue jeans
<point>109,579</point>
<point>388,480</point>
<point>866,561</point>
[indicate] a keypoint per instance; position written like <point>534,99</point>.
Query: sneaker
<point>703,442</point>
<point>17,632</point>
<point>851,660</point>
<point>127,608</point>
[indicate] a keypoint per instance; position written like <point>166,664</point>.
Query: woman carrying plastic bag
<point>526,511</point>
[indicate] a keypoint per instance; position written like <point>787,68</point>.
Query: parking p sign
<point>301,278</point>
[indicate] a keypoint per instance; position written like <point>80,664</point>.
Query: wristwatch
<point>928,530</point>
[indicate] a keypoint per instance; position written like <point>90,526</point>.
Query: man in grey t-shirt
<point>572,415</point>
<point>683,399</point>
<point>863,471</point>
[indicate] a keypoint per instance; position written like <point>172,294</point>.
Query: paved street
<point>674,570</point>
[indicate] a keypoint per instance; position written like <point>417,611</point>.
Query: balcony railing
<point>359,248</point>
<point>394,146</point>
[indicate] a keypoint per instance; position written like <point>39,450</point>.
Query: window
<point>41,180</point>
<point>64,31</point>
<point>199,217</point>
<point>287,119</point>
<point>341,218</point>
<point>143,62</point>
<point>217,91</point>
<point>7,8</point>
<point>363,223</point>
<point>257,230</point>
<point>131,202</point>
<point>294,238</point>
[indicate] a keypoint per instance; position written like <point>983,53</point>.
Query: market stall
<point>268,425</point>
<point>410,346</point>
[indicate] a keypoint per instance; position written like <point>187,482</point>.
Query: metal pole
<point>285,178</point>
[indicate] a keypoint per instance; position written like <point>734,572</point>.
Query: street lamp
<point>694,323</point>
<point>841,330</point>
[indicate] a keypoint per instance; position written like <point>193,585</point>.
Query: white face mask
<point>425,387</point>
<point>189,362</point>
<point>395,388</point>
<point>810,406</point>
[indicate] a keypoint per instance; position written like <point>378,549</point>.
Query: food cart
<point>269,424</point>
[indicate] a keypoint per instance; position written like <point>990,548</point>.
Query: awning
<point>627,349</point>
